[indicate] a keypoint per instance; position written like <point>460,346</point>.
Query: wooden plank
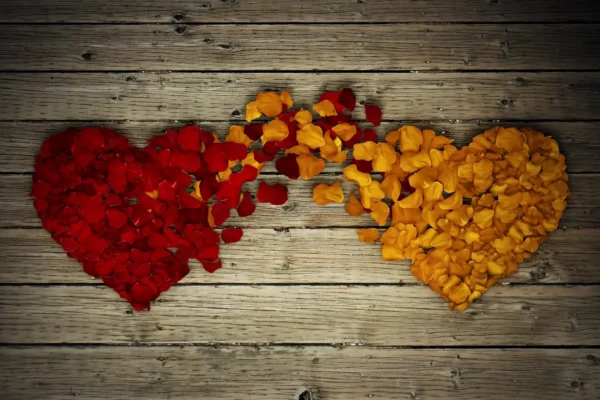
<point>252,47</point>
<point>325,11</point>
<point>369,315</point>
<point>300,211</point>
<point>21,141</point>
<point>324,373</point>
<point>217,96</point>
<point>269,256</point>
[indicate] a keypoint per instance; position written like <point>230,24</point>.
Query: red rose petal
<point>187,201</point>
<point>189,139</point>
<point>370,135</point>
<point>209,252</point>
<point>247,174</point>
<point>215,158</point>
<point>235,151</point>
<point>116,218</point>
<point>220,212</point>
<point>363,165</point>
<point>211,266</point>
<point>254,131</point>
<point>229,192</point>
<point>347,99</point>
<point>261,157</point>
<point>246,206</point>
<point>232,235</point>
<point>373,114</point>
<point>166,192</point>
<point>275,194</point>
<point>288,165</point>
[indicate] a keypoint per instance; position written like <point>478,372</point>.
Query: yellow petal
<point>380,212</point>
<point>368,235</point>
<point>250,160</point>
<point>269,104</point>
<point>371,194</point>
<point>324,194</point>
<point>310,165</point>
<point>298,149</point>
<point>433,192</point>
<point>303,117</point>
<point>411,139</point>
<point>423,178</point>
<point>345,131</point>
<point>275,131</point>
<point>286,99</point>
<point>352,174</point>
<point>391,253</point>
<point>413,201</point>
<point>237,135</point>
<point>453,202</point>
<point>365,151</point>
<point>385,157</point>
<point>484,218</point>
<point>393,137</point>
<point>325,108</point>
<point>353,206</point>
<point>391,186</point>
<point>411,161</point>
<point>510,139</point>
<point>251,112</point>
<point>311,136</point>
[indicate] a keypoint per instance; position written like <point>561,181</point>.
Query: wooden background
<point>301,309</point>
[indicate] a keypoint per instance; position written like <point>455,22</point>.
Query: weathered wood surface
<point>293,11</point>
<point>326,314</point>
<point>349,373</point>
<point>300,47</point>
<point>30,256</point>
<point>300,211</point>
<point>219,96</point>
<point>21,141</point>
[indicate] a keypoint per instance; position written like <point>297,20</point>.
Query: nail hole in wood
<point>87,56</point>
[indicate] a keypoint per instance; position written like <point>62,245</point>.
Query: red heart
<point>127,214</point>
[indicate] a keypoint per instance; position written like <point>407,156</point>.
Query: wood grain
<point>369,315</point>
<point>325,11</point>
<point>300,211</point>
<point>324,373</point>
<point>219,96</point>
<point>270,256</point>
<point>297,47</point>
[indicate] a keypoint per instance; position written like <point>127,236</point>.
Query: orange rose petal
<point>345,131</point>
<point>252,112</point>
<point>352,174</point>
<point>311,136</point>
<point>324,194</point>
<point>365,151</point>
<point>391,186</point>
<point>371,194</point>
<point>275,131</point>
<point>286,99</point>
<point>237,135</point>
<point>303,117</point>
<point>368,235</point>
<point>310,165</point>
<point>325,108</point>
<point>411,139</point>
<point>269,104</point>
<point>353,206</point>
<point>380,212</point>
